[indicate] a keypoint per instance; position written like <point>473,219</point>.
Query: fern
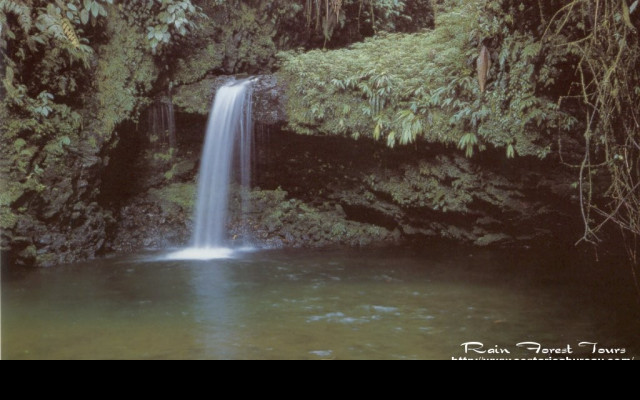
<point>468,143</point>
<point>20,10</point>
<point>70,33</point>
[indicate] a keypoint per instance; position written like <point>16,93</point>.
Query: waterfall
<point>162,125</point>
<point>228,142</point>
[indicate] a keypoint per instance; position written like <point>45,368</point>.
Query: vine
<point>606,46</point>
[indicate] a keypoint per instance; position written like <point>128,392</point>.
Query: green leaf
<point>72,7</point>
<point>511,152</point>
<point>391,140</point>
<point>84,17</point>
<point>65,141</point>
<point>95,9</point>
<point>9,74</point>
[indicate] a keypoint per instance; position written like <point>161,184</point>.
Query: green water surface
<point>376,304</point>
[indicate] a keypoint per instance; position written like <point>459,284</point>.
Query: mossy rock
<point>10,192</point>
<point>8,219</point>
<point>175,197</point>
<point>268,103</point>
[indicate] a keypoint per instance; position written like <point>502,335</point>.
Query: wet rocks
<point>269,97</point>
<point>149,222</point>
<point>425,193</point>
<point>277,221</point>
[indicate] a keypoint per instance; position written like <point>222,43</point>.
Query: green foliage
<point>469,143</point>
<point>170,174</point>
<point>424,86</point>
<point>182,195</point>
<point>66,82</point>
<point>245,36</point>
<point>166,22</point>
<point>170,18</point>
<point>165,157</point>
<point>335,23</point>
<point>559,70</point>
<point>125,75</point>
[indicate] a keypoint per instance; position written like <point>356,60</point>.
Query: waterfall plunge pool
<point>373,304</point>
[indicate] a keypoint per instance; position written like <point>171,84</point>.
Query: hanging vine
<point>609,87</point>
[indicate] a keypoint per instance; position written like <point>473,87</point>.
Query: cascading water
<point>162,125</point>
<point>229,132</point>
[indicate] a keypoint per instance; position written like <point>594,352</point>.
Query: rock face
<point>327,191</point>
<point>425,193</point>
<point>277,221</point>
<point>156,219</point>
<point>158,212</point>
<point>269,97</point>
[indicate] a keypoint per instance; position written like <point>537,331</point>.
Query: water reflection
<point>295,305</point>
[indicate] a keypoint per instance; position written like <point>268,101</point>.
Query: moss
<point>46,259</point>
<point>199,63</point>
<point>196,98</point>
<point>293,223</point>
<point>93,142</point>
<point>19,144</point>
<point>166,157</point>
<point>29,253</point>
<point>8,219</point>
<point>445,184</point>
<point>181,195</point>
<point>169,175</point>
<point>338,230</point>
<point>9,192</point>
<point>125,74</point>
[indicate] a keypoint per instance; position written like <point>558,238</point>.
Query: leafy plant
<point>170,19</point>
<point>424,86</point>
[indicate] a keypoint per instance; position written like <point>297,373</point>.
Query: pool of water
<point>375,304</point>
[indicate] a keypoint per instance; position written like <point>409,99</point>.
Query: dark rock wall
<point>424,192</point>
<point>313,191</point>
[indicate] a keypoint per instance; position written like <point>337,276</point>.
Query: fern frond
<point>21,11</point>
<point>70,33</point>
